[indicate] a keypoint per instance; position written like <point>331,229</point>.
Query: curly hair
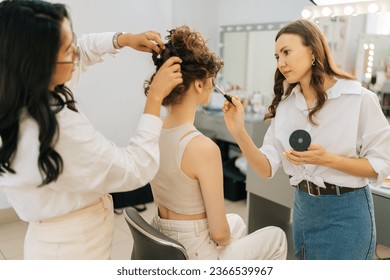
<point>313,38</point>
<point>30,33</point>
<point>198,62</point>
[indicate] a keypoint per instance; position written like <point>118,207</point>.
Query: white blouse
<point>350,124</point>
<point>92,164</point>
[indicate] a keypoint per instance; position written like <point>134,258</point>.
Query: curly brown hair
<point>198,62</point>
<point>313,38</point>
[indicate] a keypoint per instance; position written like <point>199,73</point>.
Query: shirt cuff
<point>150,123</point>
<point>381,168</point>
<point>271,154</point>
<point>105,42</point>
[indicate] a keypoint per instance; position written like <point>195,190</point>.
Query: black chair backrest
<point>149,242</point>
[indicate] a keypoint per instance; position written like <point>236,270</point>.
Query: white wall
<point>202,15</point>
<point>111,95</point>
<point>259,11</point>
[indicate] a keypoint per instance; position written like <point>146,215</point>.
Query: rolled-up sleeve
<point>374,137</point>
<point>269,149</point>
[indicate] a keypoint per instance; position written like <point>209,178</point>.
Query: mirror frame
<point>245,28</point>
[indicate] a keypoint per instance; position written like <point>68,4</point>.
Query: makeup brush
<point>227,96</point>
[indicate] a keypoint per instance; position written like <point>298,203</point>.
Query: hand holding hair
<point>166,78</point>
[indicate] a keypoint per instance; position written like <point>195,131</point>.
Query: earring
<point>313,61</point>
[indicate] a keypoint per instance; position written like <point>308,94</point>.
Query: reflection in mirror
<point>248,54</point>
<point>360,45</point>
<point>373,60</point>
<point>234,56</point>
<point>342,34</point>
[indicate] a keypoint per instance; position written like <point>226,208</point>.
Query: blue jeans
<point>332,227</point>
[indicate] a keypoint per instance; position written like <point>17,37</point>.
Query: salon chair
<point>149,242</point>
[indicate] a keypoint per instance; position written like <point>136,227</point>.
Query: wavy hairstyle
<point>30,35</point>
<point>324,66</point>
<point>198,62</point>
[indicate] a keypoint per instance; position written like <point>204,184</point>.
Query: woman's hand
<point>234,115</point>
<point>167,78</point>
<point>315,154</point>
<point>146,42</point>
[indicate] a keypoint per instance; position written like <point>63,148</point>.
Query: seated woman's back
<point>189,183</point>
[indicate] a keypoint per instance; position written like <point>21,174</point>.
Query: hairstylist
<point>55,168</point>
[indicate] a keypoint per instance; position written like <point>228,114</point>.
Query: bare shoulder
<point>202,145</point>
<point>200,154</point>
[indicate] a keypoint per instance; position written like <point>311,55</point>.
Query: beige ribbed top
<point>171,187</point>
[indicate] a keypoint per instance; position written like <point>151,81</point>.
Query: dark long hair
<point>30,35</point>
<point>324,66</point>
<point>198,62</point>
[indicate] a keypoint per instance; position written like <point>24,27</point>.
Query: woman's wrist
<point>118,40</point>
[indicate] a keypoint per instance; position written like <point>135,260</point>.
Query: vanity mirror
<point>248,54</point>
<point>248,50</point>
<point>359,44</point>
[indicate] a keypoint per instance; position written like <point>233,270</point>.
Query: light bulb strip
<point>354,8</point>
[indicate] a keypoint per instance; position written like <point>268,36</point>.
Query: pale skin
<point>294,61</point>
<point>201,161</point>
<point>168,76</point>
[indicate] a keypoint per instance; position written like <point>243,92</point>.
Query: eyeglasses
<point>76,53</point>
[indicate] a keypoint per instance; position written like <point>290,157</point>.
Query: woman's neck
<point>309,93</point>
<point>180,114</point>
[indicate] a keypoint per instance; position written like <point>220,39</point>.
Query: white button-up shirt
<point>92,164</point>
<point>350,124</point>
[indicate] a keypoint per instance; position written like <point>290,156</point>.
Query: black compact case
<point>300,140</point>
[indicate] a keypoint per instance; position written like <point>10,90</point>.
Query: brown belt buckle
<point>309,189</point>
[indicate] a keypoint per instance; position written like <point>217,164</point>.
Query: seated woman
<point>188,188</point>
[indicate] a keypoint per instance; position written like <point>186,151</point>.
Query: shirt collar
<point>341,86</point>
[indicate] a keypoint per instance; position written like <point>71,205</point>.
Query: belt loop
<point>337,190</point>
<point>197,230</point>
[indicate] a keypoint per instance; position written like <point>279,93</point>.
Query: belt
<point>314,190</point>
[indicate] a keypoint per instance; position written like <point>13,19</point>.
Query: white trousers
<point>268,243</point>
<point>83,234</point>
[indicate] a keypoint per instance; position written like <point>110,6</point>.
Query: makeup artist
<point>55,168</point>
<point>333,216</point>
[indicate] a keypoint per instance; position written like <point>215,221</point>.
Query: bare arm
<point>234,119</point>
<point>202,161</point>
<point>146,41</point>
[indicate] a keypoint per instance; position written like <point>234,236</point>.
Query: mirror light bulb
<point>373,8</point>
<point>349,10</point>
<point>306,13</point>
<point>326,11</point>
